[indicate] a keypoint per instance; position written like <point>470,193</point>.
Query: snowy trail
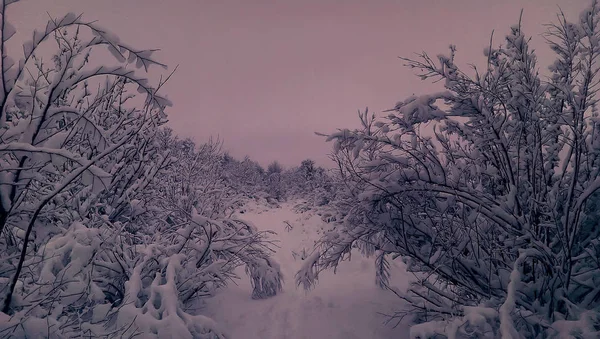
<point>343,305</point>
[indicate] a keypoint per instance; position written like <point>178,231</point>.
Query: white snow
<point>342,305</point>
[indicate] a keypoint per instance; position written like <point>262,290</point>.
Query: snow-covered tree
<point>274,182</point>
<point>246,177</point>
<point>198,184</point>
<point>488,189</point>
<point>93,241</point>
<point>274,167</point>
<point>309,182</point>
<point>61,120</point>
<point>66,121</point>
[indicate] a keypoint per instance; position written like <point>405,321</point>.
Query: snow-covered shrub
<point>57,135</point>
<point>308,182</point>
<point>489,188</point>
<point>246,177</point>
<point>109,226</point>
<point>190,262</point>
<point>98,282</point>
<point>197,184</point>
<point>196,179</point>
<point>275,187</point>
<point>266,277</point>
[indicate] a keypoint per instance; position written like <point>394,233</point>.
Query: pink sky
<point>265,75</point>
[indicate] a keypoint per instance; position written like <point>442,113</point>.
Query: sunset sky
<point>265,75</point>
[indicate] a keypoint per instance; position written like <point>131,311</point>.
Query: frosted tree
<point>109,225</point>
<point>58,121</point>
<point>76,150</point>
<point>250,177</point>
<point>198,200</point>
<point>488,189</point>
<point>275,184</point>
<point>309,182</point>
<point>274,167</point>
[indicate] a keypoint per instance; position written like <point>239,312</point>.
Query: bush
<point>488,188</point>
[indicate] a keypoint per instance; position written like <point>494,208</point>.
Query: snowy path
<point>343,305</point>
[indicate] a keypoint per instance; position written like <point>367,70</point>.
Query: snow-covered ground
<point>343,305</point>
